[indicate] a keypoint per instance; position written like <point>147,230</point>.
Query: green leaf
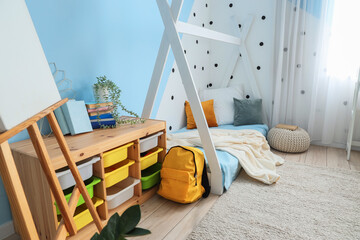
<point>121,237</point>
<point>131,217</point>
<point>137,232</point>
<point>110,231</point>
<point>96,237</point>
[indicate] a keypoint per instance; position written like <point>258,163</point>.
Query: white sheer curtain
<point>316,67</point>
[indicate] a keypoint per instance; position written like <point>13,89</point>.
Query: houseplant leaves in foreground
<point>119,227</point>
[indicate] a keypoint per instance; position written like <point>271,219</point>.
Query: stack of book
<point>100,114</point>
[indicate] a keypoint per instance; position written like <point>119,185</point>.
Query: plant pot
<point>103,94</point>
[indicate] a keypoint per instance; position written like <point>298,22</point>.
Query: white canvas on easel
<point>26,83</point>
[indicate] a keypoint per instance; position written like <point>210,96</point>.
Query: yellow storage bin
<point>116,155</point>
<point>82,216</point>
<point>117,172</point>
<point>150,159</point>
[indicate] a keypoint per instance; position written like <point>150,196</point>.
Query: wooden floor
<point>169,220</point>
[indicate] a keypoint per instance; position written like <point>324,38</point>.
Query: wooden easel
<point>14,189</point>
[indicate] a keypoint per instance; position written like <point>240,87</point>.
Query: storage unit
<point>151,158</point>
<point>85,167</point>
<point>90,188</point>
<point>116,176</point>
<point>117,172</point>
<point>120,192</point>
<point>82,216</point>
<point>149,142</point>
<point>116,155</point>
<point>150,176</point>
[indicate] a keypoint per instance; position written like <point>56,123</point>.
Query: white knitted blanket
<point>248,146</point>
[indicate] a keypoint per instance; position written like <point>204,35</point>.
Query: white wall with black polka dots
<point>209,60</point>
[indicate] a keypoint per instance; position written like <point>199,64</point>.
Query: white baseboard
<point>6,229</point>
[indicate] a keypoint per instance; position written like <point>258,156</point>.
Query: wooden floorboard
<point>150,206</point>
<point>165,218</point>
<point>336,158</point>
<point>316,156</point>
<point>296,157</point>
<point>186,225</point>
<point>355,160</point>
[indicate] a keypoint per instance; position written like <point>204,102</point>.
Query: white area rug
<point>306,203</point>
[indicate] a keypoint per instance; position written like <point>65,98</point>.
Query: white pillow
<point>223,102</point>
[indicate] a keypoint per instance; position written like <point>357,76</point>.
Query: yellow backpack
<point>183,175</point>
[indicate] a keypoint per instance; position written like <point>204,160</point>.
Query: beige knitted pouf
<point>289,141</point>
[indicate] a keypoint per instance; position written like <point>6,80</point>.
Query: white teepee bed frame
<point>173,27</point>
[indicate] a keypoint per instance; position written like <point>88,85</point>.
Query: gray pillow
<point>247,111</point>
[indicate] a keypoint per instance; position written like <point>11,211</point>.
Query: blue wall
<point>89,38</point>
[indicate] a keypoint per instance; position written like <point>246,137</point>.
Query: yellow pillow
<point>208,107</point>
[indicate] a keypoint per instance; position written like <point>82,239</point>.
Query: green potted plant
<point>120,227</point>
<point>106,90</point>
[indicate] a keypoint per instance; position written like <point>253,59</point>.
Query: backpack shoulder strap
<point>205,181</point>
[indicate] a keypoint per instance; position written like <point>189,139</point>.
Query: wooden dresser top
<point>85,145</point>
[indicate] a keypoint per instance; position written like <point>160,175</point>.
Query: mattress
<point>230,166</point>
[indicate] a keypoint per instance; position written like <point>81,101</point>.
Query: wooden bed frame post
<point>14,188</point>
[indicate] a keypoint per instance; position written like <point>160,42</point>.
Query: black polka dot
<point>345,103</point>
<point>210,84</point>
<point>194,14</point>
<point>261,44</point>
<point>247,96</point>
<point>197,41</point>
<point>211,22</point>
<point>170,128</point>
<point>184,51</point>
<point>202,68</point>
<point>239,25</point>
<point>207,52</point>
<point>216,65</point>
<point>285,49</point>
<point>258,67</point>
<point>302,91</point>
<point>203,25</point>
<point>206,5</point>
<point>194,66</point>
<point>231,5</point>
<point>207,86</point>
<point>298,66</point>
<point>240,55</point>
<point>231,77</point>
<point>172,97</point>
<point>173,70</point>
<point>263,17</point>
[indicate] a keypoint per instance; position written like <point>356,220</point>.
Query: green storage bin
<point>150,176</point>
<point>90,183</point>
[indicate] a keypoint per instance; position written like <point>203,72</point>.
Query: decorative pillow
<point>208,108</point>
<point>247,111</point>
<point>223,102</point>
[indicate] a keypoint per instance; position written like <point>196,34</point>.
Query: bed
<point>230,166</point>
